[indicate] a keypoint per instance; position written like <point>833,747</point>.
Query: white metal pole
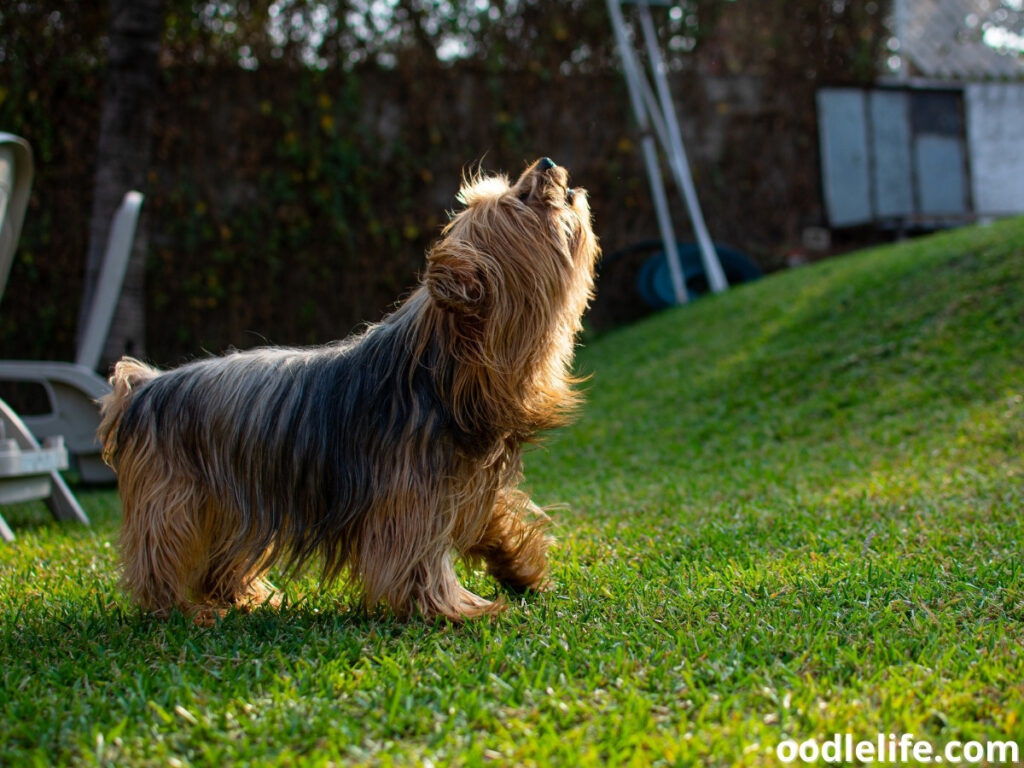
<point>654,112</point>
<point>633,75</point>
<point>677,156</point>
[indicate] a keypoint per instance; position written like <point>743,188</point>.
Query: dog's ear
<point>455,277</point>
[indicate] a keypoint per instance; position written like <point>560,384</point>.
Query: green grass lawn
<point>792,510</point>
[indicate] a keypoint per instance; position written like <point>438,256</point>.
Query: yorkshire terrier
<point>382,456</point>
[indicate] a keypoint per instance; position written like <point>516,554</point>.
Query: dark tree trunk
<point>122,163</point>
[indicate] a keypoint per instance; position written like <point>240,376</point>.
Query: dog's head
<point>519,258</point>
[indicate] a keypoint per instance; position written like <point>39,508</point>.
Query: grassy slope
<point>795,509</point>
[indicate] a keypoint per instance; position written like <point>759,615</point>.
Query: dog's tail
<point>129,374</point>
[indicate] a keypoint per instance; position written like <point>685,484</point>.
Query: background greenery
<point>302,162</point>
<point>794,509</point>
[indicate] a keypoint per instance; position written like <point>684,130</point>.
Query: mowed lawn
<point>792,510</point>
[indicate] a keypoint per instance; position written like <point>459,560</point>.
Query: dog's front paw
<point>460,606</point>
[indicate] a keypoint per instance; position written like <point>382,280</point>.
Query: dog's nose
<point>546,163</point>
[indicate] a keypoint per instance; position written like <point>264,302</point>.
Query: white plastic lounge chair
<point>71,391</point>
<point>28,470</point>
<point>15,185</point>
<point>73,388</point>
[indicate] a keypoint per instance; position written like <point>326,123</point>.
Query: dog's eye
<point>524,197</point>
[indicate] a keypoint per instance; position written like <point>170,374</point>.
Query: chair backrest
<point>15,185</point>
<point>111,279</point>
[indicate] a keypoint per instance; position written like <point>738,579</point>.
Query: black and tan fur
<point>382,456</point>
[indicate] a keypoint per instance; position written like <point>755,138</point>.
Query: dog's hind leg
<point>258,591</point>
<point>225,585</point>
<point>228,575</point>
<point>161,542</point>
<point>513,546</point>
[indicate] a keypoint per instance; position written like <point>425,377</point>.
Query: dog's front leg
<point>404,558</point>
<point>437,592</point>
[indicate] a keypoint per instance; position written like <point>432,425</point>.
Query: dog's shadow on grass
<point>128,666</point>
<point>116,635</point>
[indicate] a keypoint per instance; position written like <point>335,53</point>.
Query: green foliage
<point>50,82</point>
<point>302,163</point>
<point>283,235</point>
<point>795,511</point>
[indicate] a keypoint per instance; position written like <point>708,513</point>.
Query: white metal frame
<point>656,117</point>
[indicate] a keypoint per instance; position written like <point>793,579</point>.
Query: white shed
<point>942,142</point>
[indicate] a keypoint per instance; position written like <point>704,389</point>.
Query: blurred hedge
<point>294,191</point>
